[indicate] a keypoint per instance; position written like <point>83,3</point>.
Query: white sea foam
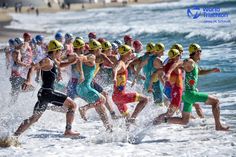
<point>198,138</point>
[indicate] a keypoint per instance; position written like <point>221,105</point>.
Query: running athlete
<point>16,78</point>
<point>101,59</point>
<point>151,63</point>
<point>8,52</point>
<point>68,45</point>
<point>120,97</point>
<point>39,53</point>
<point>175,82</point>
<point>191,95</point>
<point>77,74</point>
<point>88,93</point>
<point>138,47</point>
<point>167,88</point>
<point>47,94</point>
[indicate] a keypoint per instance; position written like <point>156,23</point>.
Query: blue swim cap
<point>11,42</point>
<point>39,38</point>
<point>58,36</point>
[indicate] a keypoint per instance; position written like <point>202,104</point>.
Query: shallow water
<point>165,22</point>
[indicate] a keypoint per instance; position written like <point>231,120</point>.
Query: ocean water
<point>165,22</point>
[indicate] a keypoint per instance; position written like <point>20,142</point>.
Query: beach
<point>5,18</point>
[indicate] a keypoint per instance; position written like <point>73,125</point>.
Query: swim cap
<point>94,44</point>
<point>18,41</point>
<point>68,36</point>
<point>124,49</point>
<point>173,53</point>
<point>127,38</point>
<point>150,47</point>
<point>78,43</point>
<point>106,45</point>
<point>54,45</point>
<point>58,36</point>
<point>137,45</point>
<point>39,38</point>
<point>178,47</point>
<point>160,47</point>
<point>118,42</point>
<point>92,35</point>
<point>27,35</point>
<point>193,48</point>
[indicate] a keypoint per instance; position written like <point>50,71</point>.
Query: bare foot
<point>221,128</point>
<point>69,133</point>
<point>82,113</point>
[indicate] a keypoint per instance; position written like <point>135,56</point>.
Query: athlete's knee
<point>101,100</point>
<point>70,104</point>
<point>70,111</point>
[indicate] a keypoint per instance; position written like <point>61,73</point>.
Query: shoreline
<point>5,18</point>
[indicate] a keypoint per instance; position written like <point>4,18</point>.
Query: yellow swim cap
<point>78,43</point>
<point>178,47</point>
<point>150,47</point>
<point>173,53</point>
<point>94,44</point>
<point>124,49</point>
<point>54,45</point>
<point>106,45</point>
<point>160,47</point>
<point>193,48</point>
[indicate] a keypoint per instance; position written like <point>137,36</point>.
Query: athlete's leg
<point>109,106</point>
<point>180,120</point>
<point>143,100</point>
<point>170,112</point>
<point>38,111</point>
<point>199,110</point>
<point>214,102</point>
<point>102,112</point>
<point>71,105</point>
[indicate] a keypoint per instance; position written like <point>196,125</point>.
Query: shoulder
<point>188,64</point>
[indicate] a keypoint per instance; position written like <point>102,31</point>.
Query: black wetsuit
<point>46,93</point>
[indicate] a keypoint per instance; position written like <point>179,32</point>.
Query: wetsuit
<point>148,70</point>
<point>191,95</point>
<point>176,85</point>
<point>46,93</point>
<point>84,90</point>
<point>119,96</point>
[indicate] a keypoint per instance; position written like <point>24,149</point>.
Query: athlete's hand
<point>26,85</point>
<point>166,77</point>
<point>215,70</point>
